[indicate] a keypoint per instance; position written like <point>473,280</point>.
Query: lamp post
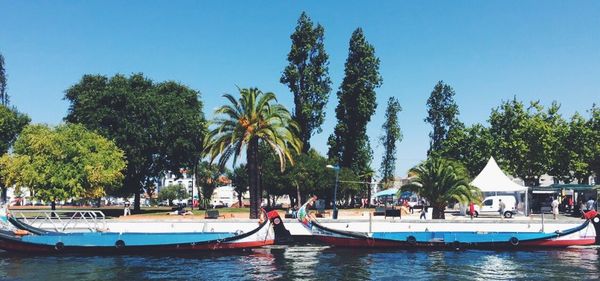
<point>336,168</point>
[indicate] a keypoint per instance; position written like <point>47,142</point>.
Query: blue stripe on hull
<point>100,239</point>
<point>462,237</point>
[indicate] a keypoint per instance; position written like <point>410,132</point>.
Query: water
<point>312,263</point>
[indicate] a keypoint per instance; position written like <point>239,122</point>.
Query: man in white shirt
<point>554,206</point>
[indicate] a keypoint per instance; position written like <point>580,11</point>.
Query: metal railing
<point>62,220</point>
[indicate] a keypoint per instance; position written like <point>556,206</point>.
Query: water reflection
<point>311,263</point>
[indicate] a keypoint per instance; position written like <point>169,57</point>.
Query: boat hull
<point>582,235</point>
<point>26,239</point>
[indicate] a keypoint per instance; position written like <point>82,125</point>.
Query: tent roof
<point>492,179</point>
<point>387,192</point>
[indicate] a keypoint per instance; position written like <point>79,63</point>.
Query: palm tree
<point>441,181</point>
<point>255,117</point>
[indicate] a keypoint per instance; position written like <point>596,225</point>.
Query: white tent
<point>492,179</point>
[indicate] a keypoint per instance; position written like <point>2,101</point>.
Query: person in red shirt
<point>471,209</point>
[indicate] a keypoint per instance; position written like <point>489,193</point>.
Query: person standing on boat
<point>554,206</point>
<point>501,208</point>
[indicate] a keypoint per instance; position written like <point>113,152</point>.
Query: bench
<point>211,214</point>
<point>392,213</point>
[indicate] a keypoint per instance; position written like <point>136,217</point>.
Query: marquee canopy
<point>492,179</point>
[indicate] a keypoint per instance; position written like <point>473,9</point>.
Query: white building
<point>186,179</point>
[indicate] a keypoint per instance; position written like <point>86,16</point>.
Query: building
<point>186,179</point>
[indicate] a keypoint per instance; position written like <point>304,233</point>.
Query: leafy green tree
<point>239,179</point>
<point>442,114</point>
<point>307,77</point>
<point>207,180</point>
<point>349,143</point>
<point>507,126</point>
<point>3,93</point>
<point>561,151</point>
<point>160,126</point>
<point>392,136</point>
<point>63,162</point>
<point>172,192</point>
<point>579,144</point>
<point>441,181</point>
<point>471,146</point>
<point>253,118</point>
<point>525,138</point>
<point>594,125</point>
<point>11,124</point>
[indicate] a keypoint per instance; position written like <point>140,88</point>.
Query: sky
<point>488,51</point>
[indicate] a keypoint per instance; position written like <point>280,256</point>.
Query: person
<point>472,209</point>
<point>501,208</point>
<point>571,204</point>
<point>126,210</point>
<point>589,205</point>
<point>554,206</point>
<point>582,208</point>
<point>423,211</point>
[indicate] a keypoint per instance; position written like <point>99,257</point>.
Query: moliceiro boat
<point>456,235</point>
<point>15,236</point>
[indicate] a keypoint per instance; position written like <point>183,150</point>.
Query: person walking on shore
<point>471,209</point>
<point>501,208</point>
<point>423,211</point>
<point>126,210</point>
<point>554,206</point>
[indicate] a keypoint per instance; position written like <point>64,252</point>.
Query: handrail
<point>61,220</point>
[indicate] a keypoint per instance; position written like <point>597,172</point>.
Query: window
<point>488,202</point>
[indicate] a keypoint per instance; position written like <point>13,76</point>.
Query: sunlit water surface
<point>312,263</point>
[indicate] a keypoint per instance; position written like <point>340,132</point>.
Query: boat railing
<point>62,220</point>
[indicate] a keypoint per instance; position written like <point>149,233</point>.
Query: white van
<point>490,205</point>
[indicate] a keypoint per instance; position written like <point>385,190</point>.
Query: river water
<point>312,263</point>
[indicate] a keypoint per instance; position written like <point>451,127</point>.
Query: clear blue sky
<point>488,51</point>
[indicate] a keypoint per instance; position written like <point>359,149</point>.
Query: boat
<point>16,236</point>
<point>581,235</point>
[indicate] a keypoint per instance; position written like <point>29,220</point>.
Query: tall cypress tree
<point>349,143</point>
<point>307,77</point>
<point>392,135</point>
<point>442,115</point>
<point>3,93</point>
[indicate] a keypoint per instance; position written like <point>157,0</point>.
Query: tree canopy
<point>11,124</point>
<point>159,126</point>
<point>3,88</point>
<point>246,122</point>
<point>307,76</point>
<point>441,181</point>
<point>442,113</point>
<point>63,162</point>
<point>391,137</point>
<point>349,143</point>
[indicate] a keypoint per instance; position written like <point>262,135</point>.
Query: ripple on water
<point>312,263</point>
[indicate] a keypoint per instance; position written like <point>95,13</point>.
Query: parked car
<point>491,205</point>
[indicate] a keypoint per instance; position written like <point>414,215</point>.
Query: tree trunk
<point>240,204</point>
<point>299,204</point>
<point>136,203</point>
<point>253,177</point>
<point>438,212</point>
<point>4,191</point>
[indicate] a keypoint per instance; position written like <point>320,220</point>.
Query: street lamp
<point>336,168</point>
